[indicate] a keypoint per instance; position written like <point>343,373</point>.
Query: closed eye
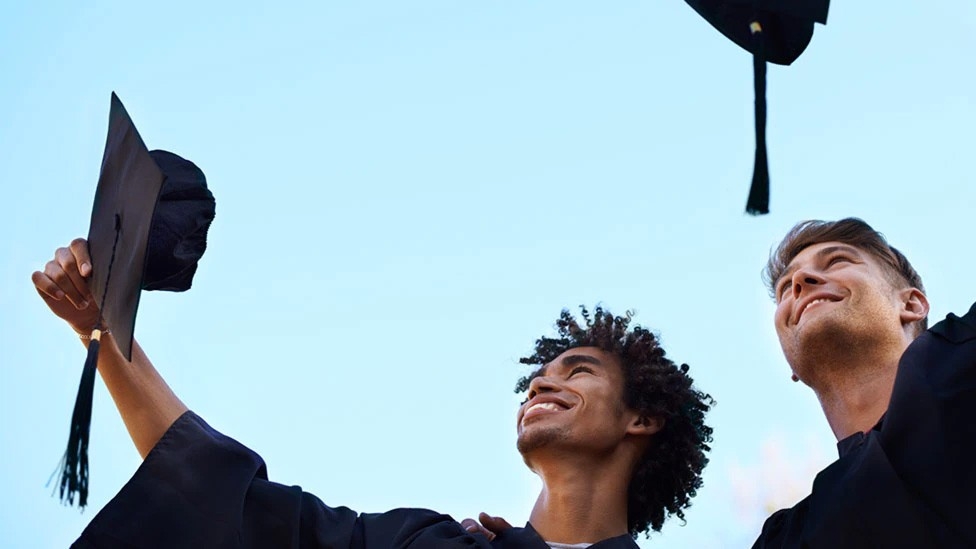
<point>579,369</point>
<point>837,259</point>
<point>785,284</point>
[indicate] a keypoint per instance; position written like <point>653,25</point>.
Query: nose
<point>541,384</point>
<point>804,279</point>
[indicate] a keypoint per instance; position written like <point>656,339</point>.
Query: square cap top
<point>125,199</point>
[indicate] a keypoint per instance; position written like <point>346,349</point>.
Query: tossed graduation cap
<point>777,31</point>
<point>148,230</point>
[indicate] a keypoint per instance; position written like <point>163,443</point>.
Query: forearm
<point>146,403</point>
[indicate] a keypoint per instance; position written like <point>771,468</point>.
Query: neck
<point>854,392</point>
<point>582,502</point>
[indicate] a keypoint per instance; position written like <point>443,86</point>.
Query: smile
<point>811,304</point>
<point>551,406</point>
<point>542,408</point>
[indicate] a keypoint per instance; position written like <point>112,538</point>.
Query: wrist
<point>93,334</point>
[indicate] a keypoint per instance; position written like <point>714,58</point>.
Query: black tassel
<point>74,470</point>
<point>74,464</point>
<point>758,202</point>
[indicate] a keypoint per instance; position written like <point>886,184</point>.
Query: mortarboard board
<point>773,30</point>
<point>148,230</point>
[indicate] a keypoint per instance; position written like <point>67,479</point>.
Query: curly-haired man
<point>609,410</point>
<point>613,427</point>
<point>851,315</point>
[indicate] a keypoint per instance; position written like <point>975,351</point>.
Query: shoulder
<point>941,359</point>
<point>413,527</point>
<point>957,329</point>
<point>783,526</point>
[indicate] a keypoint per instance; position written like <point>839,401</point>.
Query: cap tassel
<point>74,464</point>
<point>758,202</point>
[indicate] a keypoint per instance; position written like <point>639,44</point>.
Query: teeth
<point>814,302</point>
<point>551,406</point>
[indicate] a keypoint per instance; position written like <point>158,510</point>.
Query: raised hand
<point>63,285</point>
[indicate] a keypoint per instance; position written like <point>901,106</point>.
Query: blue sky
<point>407,195</point>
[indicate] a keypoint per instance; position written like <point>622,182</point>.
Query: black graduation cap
<point>148,230</point>
<point>773,30</point>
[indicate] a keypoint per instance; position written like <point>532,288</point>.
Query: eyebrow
<point>571,360</point>
<point>823,252</point>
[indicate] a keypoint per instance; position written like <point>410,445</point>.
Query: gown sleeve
<point>200,488</point>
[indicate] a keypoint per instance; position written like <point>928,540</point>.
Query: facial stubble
<point>539,436</point>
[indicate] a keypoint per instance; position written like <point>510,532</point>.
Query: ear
<point>645,426</point>
<point>915,306</point>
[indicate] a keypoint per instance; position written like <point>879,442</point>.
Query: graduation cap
<point>773,30</point>
<point>148,230</point>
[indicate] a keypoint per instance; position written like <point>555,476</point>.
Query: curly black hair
<point>669,473</point>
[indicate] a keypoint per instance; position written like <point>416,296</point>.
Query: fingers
<point>46,287</point>
<point>64,286</point>
<point>63,271</point>
<point>79,248</point>
<point>50,289</point>
<point>65,276</point>
<point>67,258</point>
<point>472,527</point>
<point>496,525</point>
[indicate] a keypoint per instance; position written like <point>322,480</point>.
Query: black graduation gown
<point>199,488</point>
<point>911,481</point>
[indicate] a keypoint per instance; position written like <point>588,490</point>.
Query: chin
<point>827,338</point>
<point>539,436</point>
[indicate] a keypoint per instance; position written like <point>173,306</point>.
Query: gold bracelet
<point>96,334</point>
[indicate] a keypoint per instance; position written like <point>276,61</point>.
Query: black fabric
<point>178,234</point>
<point>786,24</point>
<point>199,488</point>
<point>74,463</point>
<point>758,201</point>
<point>148,229</point>
<point>777,31</point>
<point>911,481</point>
<point>148,226</point>
<point>128,188</point>
<point>125,198</point>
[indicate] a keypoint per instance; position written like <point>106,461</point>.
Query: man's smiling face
<point>576,400</point>
<point>831,295</point>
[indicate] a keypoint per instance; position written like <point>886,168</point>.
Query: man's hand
<point>490,526</point>
<point>64,286</point>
